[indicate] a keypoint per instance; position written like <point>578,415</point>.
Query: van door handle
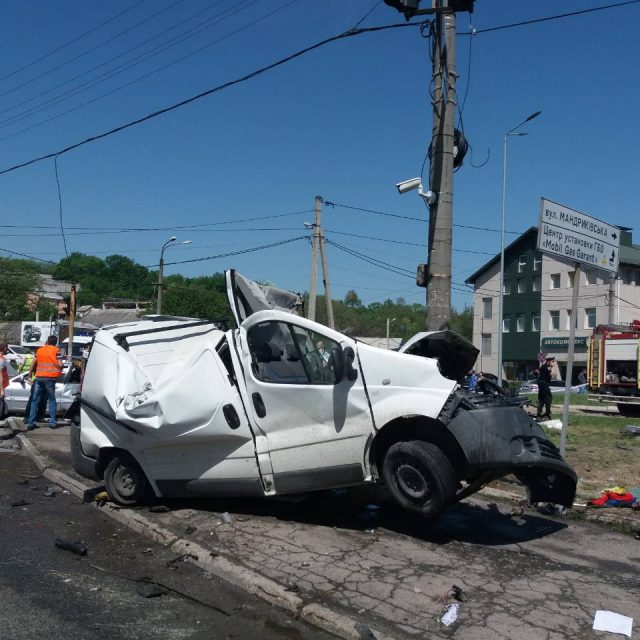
<point>258,405</point>
<point>231,416</point>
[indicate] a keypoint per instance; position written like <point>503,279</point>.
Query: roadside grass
<point>601,454</point>
<point>574,399</point>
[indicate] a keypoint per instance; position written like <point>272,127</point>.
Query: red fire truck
<point>614,366</point>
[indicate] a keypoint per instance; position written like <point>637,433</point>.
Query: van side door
<point>316,428</point>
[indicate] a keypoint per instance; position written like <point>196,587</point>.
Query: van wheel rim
<point>412,483</point>
<point>125,482</point>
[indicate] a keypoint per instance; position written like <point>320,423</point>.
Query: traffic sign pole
<point>569,371</point>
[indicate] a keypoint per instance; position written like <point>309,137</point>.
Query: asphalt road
<point>47,592</point>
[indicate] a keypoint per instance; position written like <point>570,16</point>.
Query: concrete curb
<point>264,588</point>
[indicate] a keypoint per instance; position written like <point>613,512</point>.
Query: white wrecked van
<point>281,404</point>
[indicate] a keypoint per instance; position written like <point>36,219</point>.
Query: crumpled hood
<point>456,356</point>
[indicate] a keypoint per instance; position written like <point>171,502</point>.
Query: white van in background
<point>80,343</point>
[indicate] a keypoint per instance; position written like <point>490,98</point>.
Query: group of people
<point>44,369</point>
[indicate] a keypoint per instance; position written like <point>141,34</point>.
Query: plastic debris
<point>226,518</point>
<point>450,614</point>
<point>612,622</point>
<point>101,498</point>
<point>150,590</point>
<point>50,492</point>
<point>159,508</point>
<point>457,593</point>
<point>364,632</point>
<point>75,547</point>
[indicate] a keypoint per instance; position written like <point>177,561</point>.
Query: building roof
<point>629,254</point>
<point>102,317</point>
<point>487,265</point>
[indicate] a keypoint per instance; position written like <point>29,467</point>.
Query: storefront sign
<point>561,344</point>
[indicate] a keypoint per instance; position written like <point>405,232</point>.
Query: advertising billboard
<point>35,334</point>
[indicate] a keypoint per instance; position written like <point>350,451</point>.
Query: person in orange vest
<point>47,368</point>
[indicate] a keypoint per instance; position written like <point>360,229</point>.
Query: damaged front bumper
<point>506,440</point>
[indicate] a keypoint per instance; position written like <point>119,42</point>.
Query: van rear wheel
<point>420,477</point>
<point>125,481</point>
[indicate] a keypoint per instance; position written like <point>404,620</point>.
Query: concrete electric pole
<point>318,245</point>
<point>441,175</point>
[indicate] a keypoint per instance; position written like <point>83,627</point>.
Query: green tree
<point>18,284</point>
<point>352,300</point>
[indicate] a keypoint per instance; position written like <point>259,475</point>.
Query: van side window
<point>315,350</point>
<point>274,355</point>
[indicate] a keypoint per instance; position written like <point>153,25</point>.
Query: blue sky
<point>346,122</point>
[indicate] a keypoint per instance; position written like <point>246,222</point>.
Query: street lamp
<point>171,240</point>
<point>389,321</point>
<point>511,132</point>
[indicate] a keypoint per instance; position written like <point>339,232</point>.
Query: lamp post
<point>171,240</point>
<point>511,132</point>
<point>389,321</point>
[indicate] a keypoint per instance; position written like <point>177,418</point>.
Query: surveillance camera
<point>409,185</point>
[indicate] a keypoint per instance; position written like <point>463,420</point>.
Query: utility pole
<point>313,288</point>
<point>325,281</point>
<point>72,318</point>
<point>441,212</point>
<point>319,246</point>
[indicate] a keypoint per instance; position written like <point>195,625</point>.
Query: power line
<point>113,58</point>
<point>208,92</point>
<point>91,50</point>
<point>424,220</point>
<point>126,66</point>
<point>233,253</point>
<point>70,42</point>
<point>170,228</point>
<point>24,255</point>
<point>555,17</point>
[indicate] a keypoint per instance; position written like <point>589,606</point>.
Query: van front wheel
<point>125,481</point>
<point>419,477</point>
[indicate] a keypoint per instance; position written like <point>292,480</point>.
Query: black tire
<point>420,477</point>
<point>125,481</point>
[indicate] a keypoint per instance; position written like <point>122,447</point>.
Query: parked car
<point>31,333</point>
<point>19,389</point>
<point>15,355</point>
<point>285,405</point>
<point>556,386</point>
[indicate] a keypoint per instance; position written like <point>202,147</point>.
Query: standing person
<point>47,368</point>
<point>25,367</point>
<point>544,389</point>
<point>4,377</point>
<point>473,381</point>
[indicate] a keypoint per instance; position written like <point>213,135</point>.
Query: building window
<point>522,264</point>
<point>554,321</point>
<point>522,285</point>
<point>627,276</point>
<point>590,277</point>
<point>487,308</point>
<point>554,281</point>
<point>520,322</point>
<point>537,263</point>
<point>571,277</point>
<point>506,325</point>
<point>506,288</point>
<point>536,284</point>
<point>535,321</point>
<point>486,344</point>
<point>590,318</point>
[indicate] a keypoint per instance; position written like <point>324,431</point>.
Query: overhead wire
<point>129,65</point>
<point>64,239</point>
<point>177,105</point>
<point>88,51</point>
<point>72,41</point>
<point>113,58</point>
